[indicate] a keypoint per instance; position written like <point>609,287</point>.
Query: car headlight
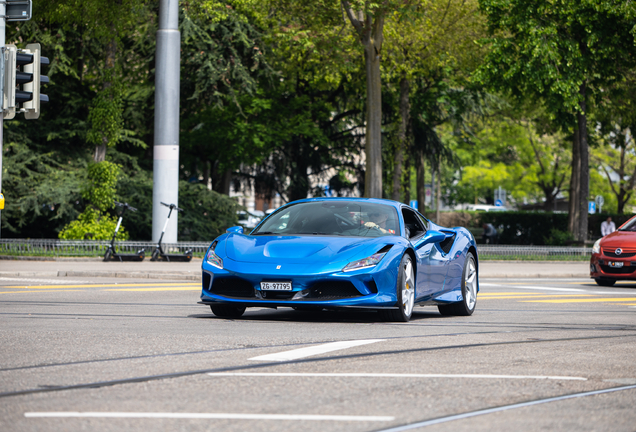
<point>213,258</point>
<point>368,262</point>
<point>597,246</point>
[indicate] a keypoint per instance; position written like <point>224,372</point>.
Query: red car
<point>614,256</point>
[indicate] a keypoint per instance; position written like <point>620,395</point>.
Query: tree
<point>565,53</point>
<point>102,28</point>
<point>431,48</point>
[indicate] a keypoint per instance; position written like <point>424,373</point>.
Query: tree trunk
<point>373,147</point>
<point>405,108</point>
<point>584,156</point>
<point>421,180</point>
<point>111,53</point>
<point>573,207</point>
<point>438,194</point>
<point>369,28</point>
<point>406,182</point>
<point>100,152</point>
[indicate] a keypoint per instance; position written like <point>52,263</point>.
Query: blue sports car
<point>332,253</point>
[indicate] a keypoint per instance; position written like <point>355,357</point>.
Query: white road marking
<point>503,408</point>
<point>391,375</point>
<point>230,416</point>
<point>315,350</point>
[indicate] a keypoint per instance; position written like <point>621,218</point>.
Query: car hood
<point>298,249</point>
<point>619,239</point>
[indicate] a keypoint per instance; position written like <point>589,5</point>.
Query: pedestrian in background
<point>608,227</point>
<point>490,234</point>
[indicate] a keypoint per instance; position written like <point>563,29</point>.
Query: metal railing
<point>550,253</point>
<point>95,248</point>
<point>89,248</point>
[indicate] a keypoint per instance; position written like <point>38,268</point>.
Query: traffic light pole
<point>166,142</point>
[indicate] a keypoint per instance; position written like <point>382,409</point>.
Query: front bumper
<point>240,283</point>
<point>604,267</point>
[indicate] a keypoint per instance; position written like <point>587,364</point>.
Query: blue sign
<point>498,203</point>
<point>413,204</point>
<point>591,207</point>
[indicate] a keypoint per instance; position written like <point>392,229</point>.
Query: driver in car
<point>378,221</point>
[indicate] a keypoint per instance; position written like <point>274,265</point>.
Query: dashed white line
<point>315,350</point>
<point>393,375</point>
<point>227,416</point>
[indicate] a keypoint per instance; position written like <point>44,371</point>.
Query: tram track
<point>173,375</point>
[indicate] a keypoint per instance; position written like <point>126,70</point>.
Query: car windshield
<point>339,218</point>
<point>629,226</point>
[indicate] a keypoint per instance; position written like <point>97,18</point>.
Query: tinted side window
<point>412,223</point>
<point>423,220</point>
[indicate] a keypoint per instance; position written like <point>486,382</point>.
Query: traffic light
<point>22,86</point>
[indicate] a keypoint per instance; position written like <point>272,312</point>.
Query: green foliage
<point>40,190</point>
<point>558,238</point>
<point>206,214</point>
<point>102,183</point>
<point>105,117</point>
<point>551,48</point>
<point>94,222</point>
<point>93,225</point>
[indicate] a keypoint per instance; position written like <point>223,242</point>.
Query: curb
<point>39,258</point>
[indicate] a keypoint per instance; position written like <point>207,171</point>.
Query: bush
<point>206,213</point>
<point>93,225</point>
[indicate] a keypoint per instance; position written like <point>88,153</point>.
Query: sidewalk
<point>192,270</point>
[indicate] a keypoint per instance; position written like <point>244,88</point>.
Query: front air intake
<point>232,287</point>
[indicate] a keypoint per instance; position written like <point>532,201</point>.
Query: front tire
<point>405,293</point>
<point>466,307</point>
<point>108,254</point>
<point>155,255</point>
<point>605,282</point>
<point>227,311</point>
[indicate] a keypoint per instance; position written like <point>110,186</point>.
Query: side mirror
<point>235,230</point>
<point>430,237</point>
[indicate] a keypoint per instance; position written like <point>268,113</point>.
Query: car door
<point>415,230</point>
<point>438,264</point>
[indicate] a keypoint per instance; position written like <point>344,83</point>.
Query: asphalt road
<point>112,354</point>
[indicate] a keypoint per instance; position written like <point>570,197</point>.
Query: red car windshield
<point>337,218</point>
<point>629,226</point>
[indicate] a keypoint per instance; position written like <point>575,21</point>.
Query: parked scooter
<point>158,253</point>
<point>111,253</point>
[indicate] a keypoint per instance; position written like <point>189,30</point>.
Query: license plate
<point>276,286</point>
<point>616,264</point>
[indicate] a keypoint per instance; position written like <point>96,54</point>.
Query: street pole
<point>166,142</point>
<point>3,30</point>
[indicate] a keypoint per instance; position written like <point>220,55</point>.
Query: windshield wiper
<point>264,232</point>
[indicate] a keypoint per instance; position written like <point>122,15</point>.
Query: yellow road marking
<point>158,289</point>
<point>596,300</point>
<point>101,286</point>
<point>506,293</point>
<point>533,296</point>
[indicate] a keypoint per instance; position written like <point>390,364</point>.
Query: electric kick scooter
<point>158,253</point>
<point>111,253</point>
